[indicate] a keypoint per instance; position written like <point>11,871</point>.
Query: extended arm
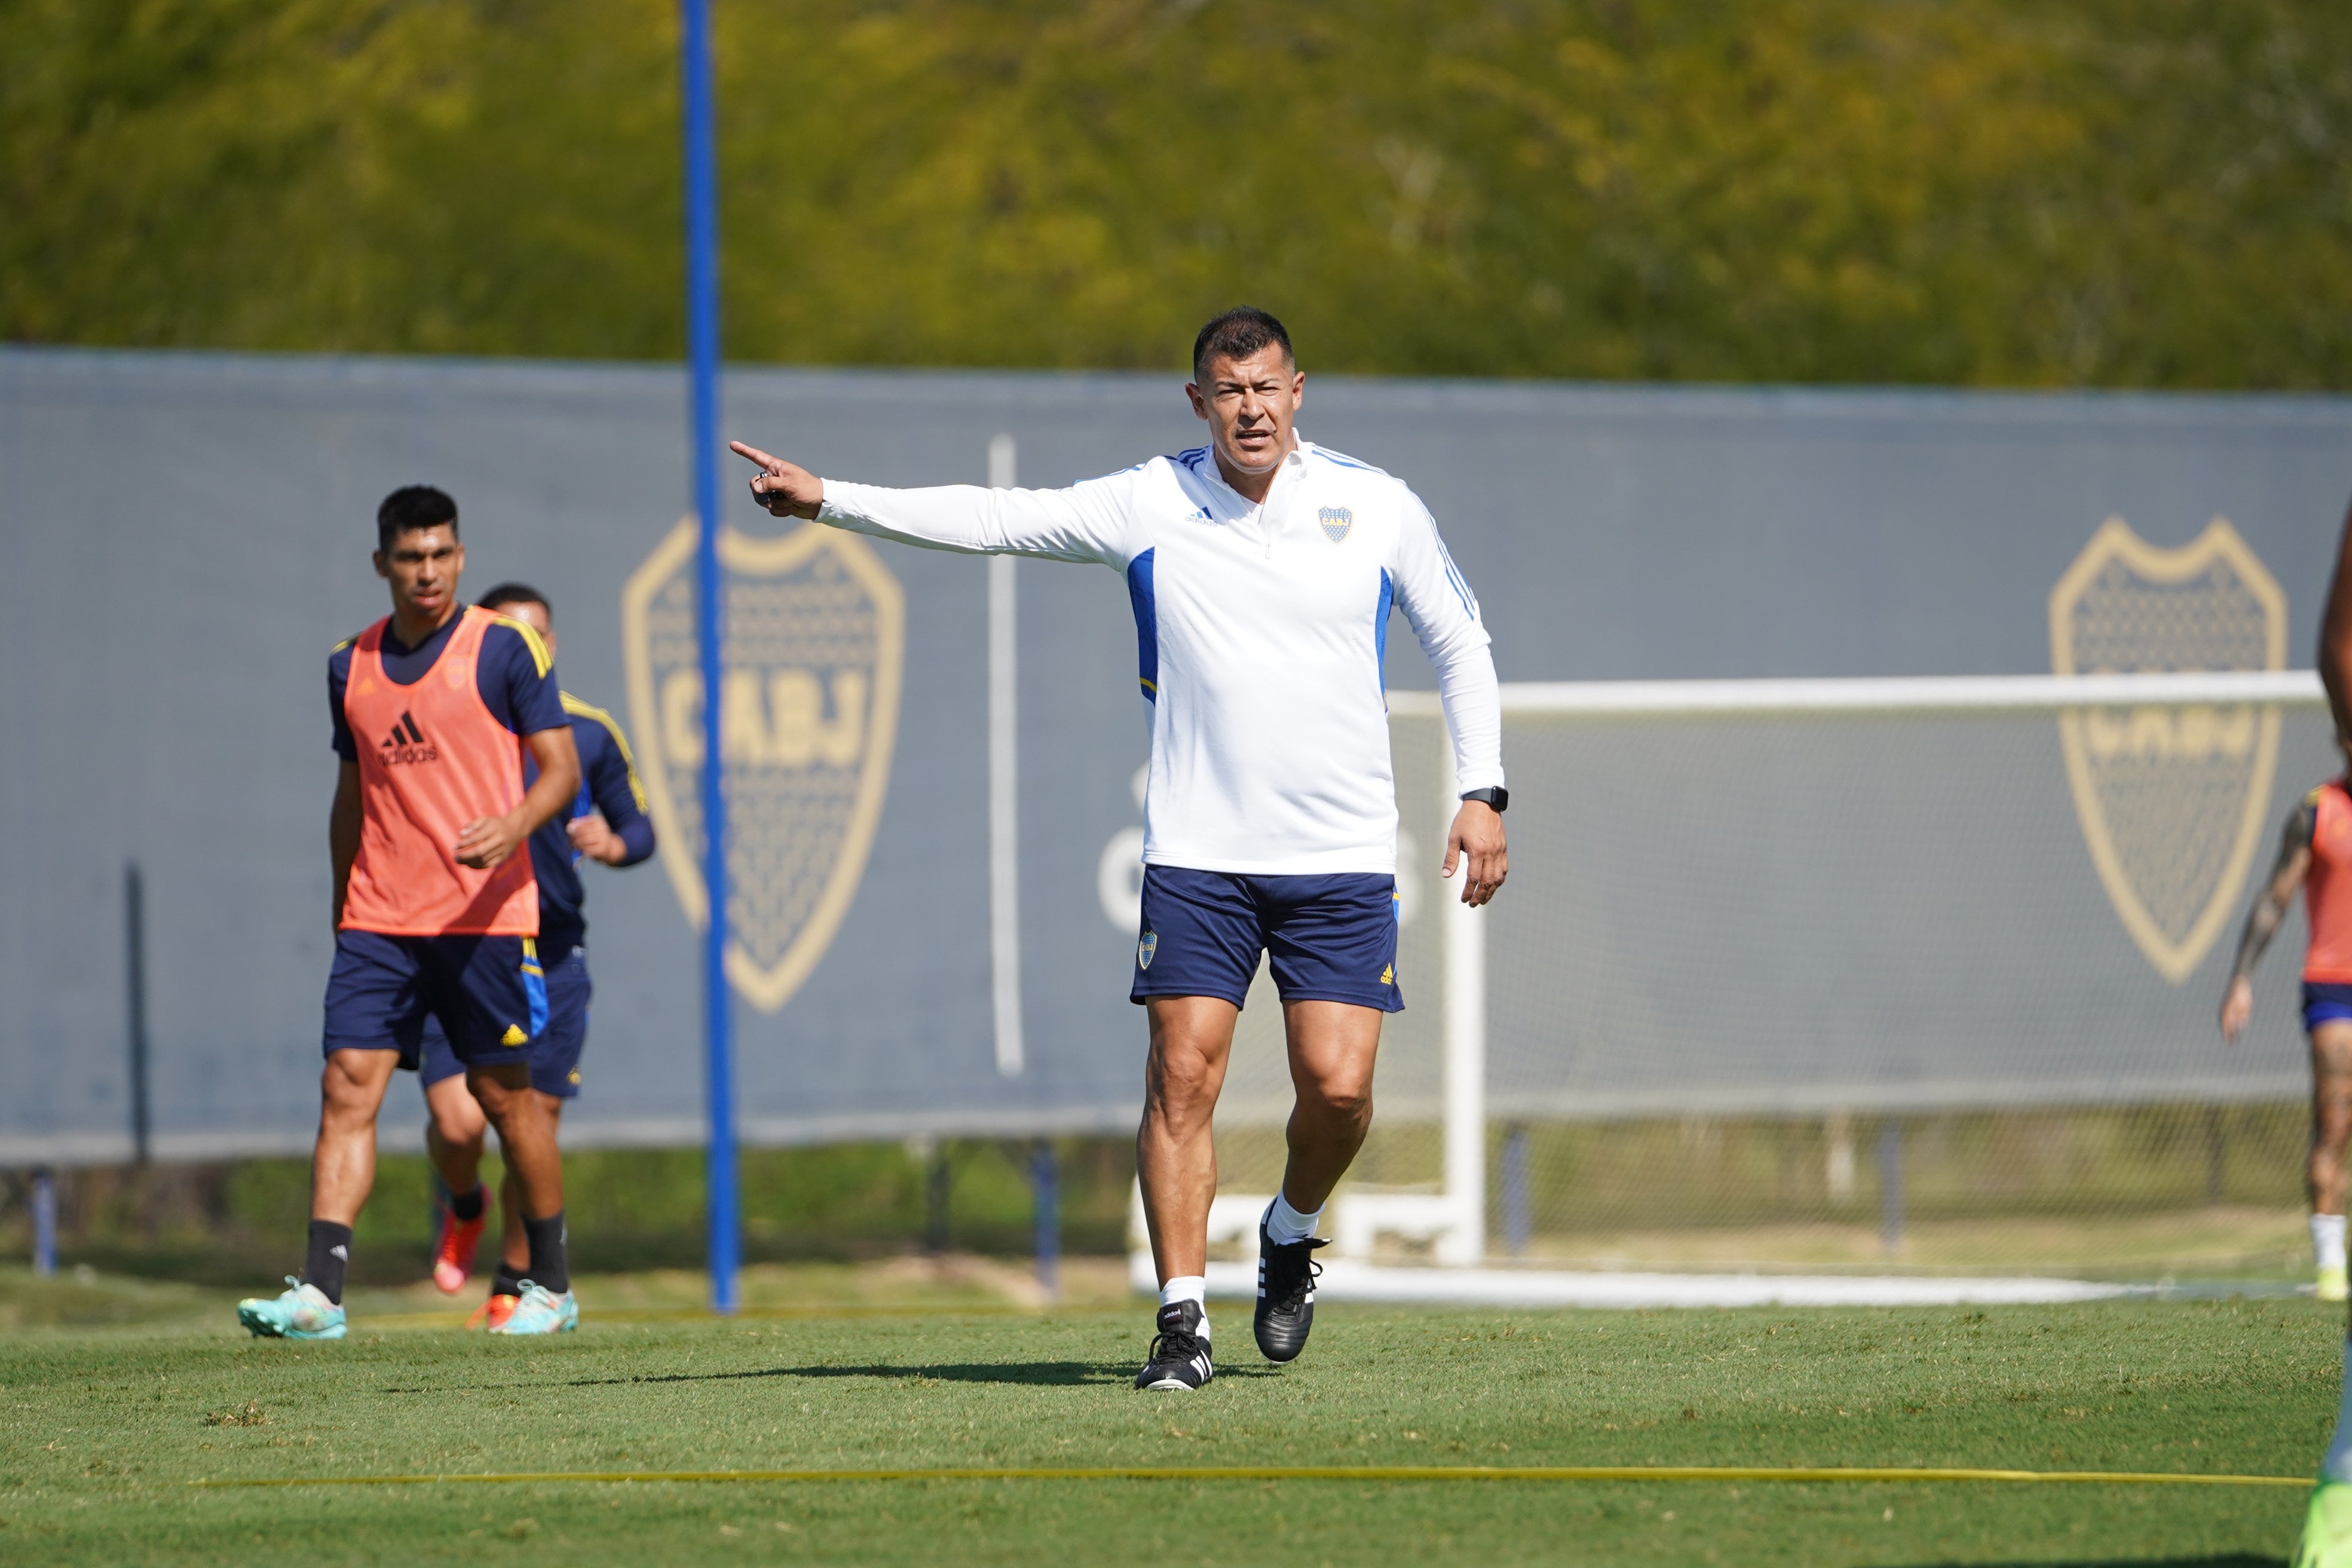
<point>1438,605</point>
<point>1085,522</point>
<point>2264,918</point>
<point>343,832</point>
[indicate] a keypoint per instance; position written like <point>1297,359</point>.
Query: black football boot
<point>1179,1352</point>
<point>1286,1295</point>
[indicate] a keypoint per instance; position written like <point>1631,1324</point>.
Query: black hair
<point>517,594</point>
<point>1238,333</point>
<point>412,507</point>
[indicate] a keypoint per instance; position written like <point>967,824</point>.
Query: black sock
<point>506,1280</point>
<point>329,1255</point>
<point>549,1270</point>
<point>467,1208</point>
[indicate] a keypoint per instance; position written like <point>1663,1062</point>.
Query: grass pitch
<point>104,1429</point>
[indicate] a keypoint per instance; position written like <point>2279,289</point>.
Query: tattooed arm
<point>2263,920</point>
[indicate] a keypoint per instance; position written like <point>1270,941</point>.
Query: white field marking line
<point>1346,1281</point>
<point>1895,694</point>
<point>1293,1473</point>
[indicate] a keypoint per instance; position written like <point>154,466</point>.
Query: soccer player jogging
<point>605,822</point>
<point>2315,855</point>
<point>436,913</point>
<point>1261,569</point>
<point>2328,1526</point>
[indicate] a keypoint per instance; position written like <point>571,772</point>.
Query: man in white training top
<point>1262,569</point>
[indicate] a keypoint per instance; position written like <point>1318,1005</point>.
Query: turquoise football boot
<point>2327,1529</point>
<point>540,1311</point>
<point>303,1313</point>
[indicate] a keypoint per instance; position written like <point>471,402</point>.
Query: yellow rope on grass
<point>1294,1473</point>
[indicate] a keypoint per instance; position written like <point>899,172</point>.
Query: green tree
<point>1979,192</point>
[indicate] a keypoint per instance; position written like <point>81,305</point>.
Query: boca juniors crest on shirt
<point>1336,520</point>
<point>814,648</point>
<point>2172,798</point>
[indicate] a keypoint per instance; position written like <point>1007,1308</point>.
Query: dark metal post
<point>1516,1223</point>
<point>45,1222</point>
<point>134,941</point>
<point>1046,1184</point>
<point>935,1203</point>
<point>723,1218</point>
<point>1890,1185</point>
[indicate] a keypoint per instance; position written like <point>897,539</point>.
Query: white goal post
<point>1451,1221</point>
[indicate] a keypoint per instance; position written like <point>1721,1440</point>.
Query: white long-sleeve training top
<point>1260,640</point>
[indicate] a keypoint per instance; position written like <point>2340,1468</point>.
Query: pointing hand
<point>785,490</point>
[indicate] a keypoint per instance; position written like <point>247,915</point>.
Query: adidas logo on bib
<point>406,743</point>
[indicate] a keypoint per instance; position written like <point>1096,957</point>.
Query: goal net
<point>1840,974</point>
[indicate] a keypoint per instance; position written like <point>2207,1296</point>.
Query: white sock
<point>1285,1225</point>
<point>2328,1240</point>
<point>2337,1466</point>
<point>1192,1288</point>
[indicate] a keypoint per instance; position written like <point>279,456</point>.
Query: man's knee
<point>1344,1098</point>
<point>501,1091</point>
<point>350,1087</point>
<point>1181,1078</point>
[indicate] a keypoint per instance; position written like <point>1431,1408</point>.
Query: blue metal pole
<point>1517,1222</point>
<point>724,1243</point>
<point>45,1222</point>
<point>1890,1185</point>
<point>1045,1183</point>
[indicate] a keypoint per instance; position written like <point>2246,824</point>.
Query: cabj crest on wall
<point>814,650</point>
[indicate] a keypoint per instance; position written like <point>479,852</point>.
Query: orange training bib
<point>432,759</point>
<point>2327,887</point>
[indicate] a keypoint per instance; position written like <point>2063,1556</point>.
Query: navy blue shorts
<point>554,1052</point>
<point>2324,1003</point>
<point>486,992</point>
<point>1328,939</point>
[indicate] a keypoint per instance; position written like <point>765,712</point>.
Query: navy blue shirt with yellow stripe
<point>608,783</point>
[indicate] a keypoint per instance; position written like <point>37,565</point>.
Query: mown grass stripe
<point>1295,1473</point>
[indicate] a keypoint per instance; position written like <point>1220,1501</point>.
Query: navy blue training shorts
<point>1328,939</point>
<point>2325,1002</point>
<point>486,992</point>
<point>554,1052</point>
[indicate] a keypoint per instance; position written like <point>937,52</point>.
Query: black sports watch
<point>1494,796</point>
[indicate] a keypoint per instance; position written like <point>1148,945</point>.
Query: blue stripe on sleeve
<point>1147,623</point>
<point>1380,626</point>
<point>1454,575</point>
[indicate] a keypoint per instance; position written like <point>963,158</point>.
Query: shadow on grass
<point>1037,1374</point>
<point>2221,1560</point>
<point>1063,1374</point>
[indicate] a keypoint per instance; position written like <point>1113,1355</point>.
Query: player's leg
<point>1194,959</point>
<point>375,1014</point>
<point>534,1167</point>
<point>555,1077</point>
<point>492,997</point>
<point>514,1241</point>
<point>455,1134</point>
<point>2327,1527</point>
<point>2331,1127</point>
<point>1175,1150</point>
<point>1332,1046</point>
<point>1176,1164</point>
<point>1332,941</point>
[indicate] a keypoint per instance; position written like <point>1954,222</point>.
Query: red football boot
<point>453,1258</point>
